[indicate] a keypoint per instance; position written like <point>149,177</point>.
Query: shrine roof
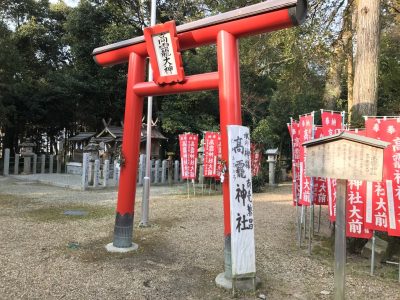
<point>81,136</point>
<point>155,134</point>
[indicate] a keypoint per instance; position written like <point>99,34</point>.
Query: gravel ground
<point>47,255</point>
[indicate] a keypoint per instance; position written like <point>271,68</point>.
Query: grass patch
<point>56,213</point>
<point>322,248</point>
<point>13,201</point>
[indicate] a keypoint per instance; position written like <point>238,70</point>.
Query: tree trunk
<point>333,87</point>
<point>350,62</point>
<point>366,60</point>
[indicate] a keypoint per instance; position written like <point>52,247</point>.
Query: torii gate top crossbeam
<point>250,20</point>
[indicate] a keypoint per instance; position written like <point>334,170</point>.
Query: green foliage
<point>389,72</point>
<point>258,183</point>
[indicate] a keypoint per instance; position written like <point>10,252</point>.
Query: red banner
<point>305,134</point>
<point>256,156</point>
<point>219,164</point>
<point>390,132</point>
<point>331,184</point>
<point>320,187</point>
<point>394,184</point>
<point>332,123</point>
<point>355,207</point>
<point>376,211</point>
<point>211,154</point>
<point>294,133</point>
<point>188,144</point>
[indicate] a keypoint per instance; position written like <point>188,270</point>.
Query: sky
<point>68,2</point>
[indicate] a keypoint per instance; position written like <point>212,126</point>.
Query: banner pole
<point>147,179</point>
<point>319,219</point>
<point>312,191</point>
<point>305,222</point>
<point>294,187</point>
<point>311,226</point>
<point>301,225</point>
<point>373,254</point>
<point>188,187</point>
<point>298,224</point>
<point>194,187</point>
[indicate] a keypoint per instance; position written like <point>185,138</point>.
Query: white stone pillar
<point>152,170</point>
<point>164,171</point>
<point>6,170</point>
<point>27,165</point>
<point>115,175</point>
<point>201,174</point>
<point>106,172</point>
<point>58,164</point>
<point>51,163</point>
<point>34,167</point>
<point>271,174</point>
<point>157,171</point>
<point>85,171</point>
<point>96,173</point>
<point>142,168</point>
<point>42,163</point>
<point>176,171</point>
<point>91,172</point>
<point>117,171</point>
<point>16,164</point>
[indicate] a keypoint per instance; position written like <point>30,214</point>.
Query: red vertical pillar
<point>130,151</point>
<point>230,114</point>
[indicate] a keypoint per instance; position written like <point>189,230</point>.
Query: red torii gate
<point>224,30</point>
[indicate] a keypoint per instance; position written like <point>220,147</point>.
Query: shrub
<point>258,183</point>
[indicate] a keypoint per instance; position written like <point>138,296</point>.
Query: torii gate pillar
<point>230,114</point>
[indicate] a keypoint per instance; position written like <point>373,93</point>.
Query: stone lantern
<point>26,151</point>
<point>272,157</point>
<point>93,149</point>
<point>170,166</point>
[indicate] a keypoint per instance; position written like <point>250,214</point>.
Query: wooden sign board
<point>163,48</point>
<point>345,156</point>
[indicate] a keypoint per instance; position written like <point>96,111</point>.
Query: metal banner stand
<point>298,220</point>
<point>373,254</point>
<point>305,222</point>
<point>301,225</point>
<point>319,219</point>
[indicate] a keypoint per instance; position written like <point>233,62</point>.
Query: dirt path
<point>47,255</point>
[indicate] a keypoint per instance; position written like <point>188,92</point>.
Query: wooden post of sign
<point>340,238</point>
